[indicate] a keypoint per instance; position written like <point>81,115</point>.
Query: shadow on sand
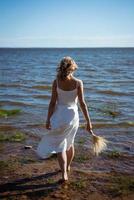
<point>32,187</point>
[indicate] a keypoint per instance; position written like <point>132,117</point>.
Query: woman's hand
<point>48,125</point>
<point>89,127</point>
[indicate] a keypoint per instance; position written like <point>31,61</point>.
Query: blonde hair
<point>62,69</point>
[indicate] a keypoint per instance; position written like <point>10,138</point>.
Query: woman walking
<point>63,118</point>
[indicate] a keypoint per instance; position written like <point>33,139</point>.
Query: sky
<point>66,23</point>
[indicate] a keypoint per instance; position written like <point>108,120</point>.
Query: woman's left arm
<point>52,101</point>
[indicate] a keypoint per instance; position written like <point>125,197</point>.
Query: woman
<point>63,119</point>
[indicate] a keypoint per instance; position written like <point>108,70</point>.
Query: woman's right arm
<point>83,105</point>
<point>52,104</point>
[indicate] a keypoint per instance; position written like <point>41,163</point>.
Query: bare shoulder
<point>79,82</point>
<point>54,82</point>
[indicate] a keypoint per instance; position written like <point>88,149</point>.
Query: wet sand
<point>25,176</point>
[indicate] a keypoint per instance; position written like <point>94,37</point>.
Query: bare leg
<point>62,159</point>
<point>70,156</point>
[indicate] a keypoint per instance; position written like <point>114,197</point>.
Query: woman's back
<point>67,97</point>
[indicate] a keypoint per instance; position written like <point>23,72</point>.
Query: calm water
<point>26,76</point>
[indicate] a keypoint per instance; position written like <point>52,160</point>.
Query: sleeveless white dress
<point>64,124</point>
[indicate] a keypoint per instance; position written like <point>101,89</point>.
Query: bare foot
<point>65,177</point>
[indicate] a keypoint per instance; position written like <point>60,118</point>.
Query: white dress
<point>64,124</point>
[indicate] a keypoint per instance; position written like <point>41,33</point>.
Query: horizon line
<point>65,47</point>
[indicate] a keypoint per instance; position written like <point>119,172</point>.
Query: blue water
<point>26,76</point>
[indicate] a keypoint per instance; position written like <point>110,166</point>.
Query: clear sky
<point>66,23</point>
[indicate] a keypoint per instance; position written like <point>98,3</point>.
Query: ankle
<point>68,168</point>
<point>64,172</point>
<point>65,176</point>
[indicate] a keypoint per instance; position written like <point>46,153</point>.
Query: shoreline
<point>24,176</point>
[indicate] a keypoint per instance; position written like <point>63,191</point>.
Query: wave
<point>113,93</point>
<point>41,96</point>
<point>42,87</point>
<point>11,85</point>
<point>124,124</point>
<point>15,103</point>
<point>95,125</point>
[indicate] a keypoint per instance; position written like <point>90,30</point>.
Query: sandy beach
<point>25,176</point>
